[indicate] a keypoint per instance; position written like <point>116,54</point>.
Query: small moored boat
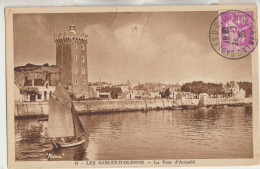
<point>177,108</point>
<point>64,126</point>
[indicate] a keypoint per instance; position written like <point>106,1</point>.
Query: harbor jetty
<point>37,109</point>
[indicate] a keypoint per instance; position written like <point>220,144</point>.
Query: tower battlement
<point>70,37</point>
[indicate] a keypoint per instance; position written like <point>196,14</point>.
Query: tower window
<point>75,46</point>
<point>76,81</point>
<point>83,59</point>
<point>76,71</point>
<point>83,71</point>
<point>83,81</point>
<point>82,48</point>
<point>76,58</point>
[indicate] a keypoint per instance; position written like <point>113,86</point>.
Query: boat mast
<point>73,118</point>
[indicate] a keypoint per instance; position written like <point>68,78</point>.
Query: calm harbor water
<point>165,134</point>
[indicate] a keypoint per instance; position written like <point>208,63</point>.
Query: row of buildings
<point>158,90</point>
<point>128,91</point>
<point>37,83</point>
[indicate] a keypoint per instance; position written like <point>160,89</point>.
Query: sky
<point>165,47</point>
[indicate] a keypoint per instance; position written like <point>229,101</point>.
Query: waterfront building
<point>155,94</point>
<point>35,82</point>
<point>157,87</point>
<point>37,93</point>
<point>135,94</point>
<point>173,94</point>
<point>232,89</point>
<point>124,88</point>
<point>71,59</point>
<point>110,92</point>
<point>174,87</point>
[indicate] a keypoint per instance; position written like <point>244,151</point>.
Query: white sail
<point>63,119</point>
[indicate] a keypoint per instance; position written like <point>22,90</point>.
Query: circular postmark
<point>232,34</point>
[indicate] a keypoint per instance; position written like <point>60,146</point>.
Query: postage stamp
<point>232,34</point>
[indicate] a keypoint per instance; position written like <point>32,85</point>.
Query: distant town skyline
<point>136,82</point>
<point>166,47</point>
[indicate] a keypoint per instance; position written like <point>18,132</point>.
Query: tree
<point>167,92</point>
<point>199,87</point>
<point>247,86</point>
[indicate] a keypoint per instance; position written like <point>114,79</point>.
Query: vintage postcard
<point>161,86</point>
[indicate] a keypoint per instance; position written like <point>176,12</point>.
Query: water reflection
<point>71,153</point>
<point>32,143</point>
<point>204,133</point>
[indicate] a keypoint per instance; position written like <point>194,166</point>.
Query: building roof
<point>29,67</point>
<point>231,85</point>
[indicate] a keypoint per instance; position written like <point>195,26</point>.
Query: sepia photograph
<point>133,85</point>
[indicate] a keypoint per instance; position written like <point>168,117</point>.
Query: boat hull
<point>64,145</point>
<point>59,145</point>
<point>176,108</point>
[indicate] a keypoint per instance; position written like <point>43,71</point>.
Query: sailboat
<point>64,126</point>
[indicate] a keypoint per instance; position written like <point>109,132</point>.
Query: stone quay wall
<point>32,109</point>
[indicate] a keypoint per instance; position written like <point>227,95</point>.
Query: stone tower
<point>71,59</point>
